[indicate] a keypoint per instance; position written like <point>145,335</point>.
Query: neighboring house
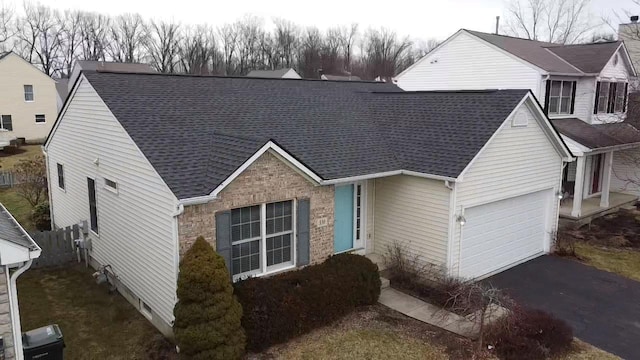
<point>90,65</point>
<point>17,252</point>
<point>28,99</point>
<point>583,89</point>
<point>630,34</point>
<point>340,77</point>
<point>287,73</point>
<point>278,174</point>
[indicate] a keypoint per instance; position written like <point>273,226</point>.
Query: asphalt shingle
<point>196,131</point>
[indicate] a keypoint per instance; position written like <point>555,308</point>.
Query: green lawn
<point>95,324</point>
<point>7,161</point>
<point>18,207</point>
<point>625,262</point>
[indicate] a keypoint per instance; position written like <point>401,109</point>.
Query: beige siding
<point>466,62</point>
<point>137,236</point>
<point>625,175</point>
<point>517,161</point>
<point>14,74</point>
<point>414,212</point>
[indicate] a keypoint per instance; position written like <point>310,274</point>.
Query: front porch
<point>591,207</point>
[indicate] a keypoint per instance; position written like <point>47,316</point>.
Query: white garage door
<point>503,233</point>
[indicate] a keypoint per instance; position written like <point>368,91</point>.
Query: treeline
<point>53,40</point>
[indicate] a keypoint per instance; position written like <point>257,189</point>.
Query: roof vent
<point>634,19</point>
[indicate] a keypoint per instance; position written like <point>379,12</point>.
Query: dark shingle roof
<point>11,231</point>
<point>342,77</point>
<point>555,58</point>
<point>115,66</point>
<point>590,58</point>
<point>597,136</point>
<point>196,131</point>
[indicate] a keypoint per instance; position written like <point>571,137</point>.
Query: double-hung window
<point>561,97</point>
<point>93,205</point>
<point>262,238</point>
<point>60,176</point>
<point>6,123</point>
<point>28,93</point>
<point>611,97</point>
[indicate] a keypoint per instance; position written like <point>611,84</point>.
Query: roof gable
<point>589,58</point>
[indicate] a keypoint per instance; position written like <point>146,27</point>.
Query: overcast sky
<point>419,19</point>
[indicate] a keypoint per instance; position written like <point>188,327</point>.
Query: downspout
<point>546,78</point>
<point>13,304</point>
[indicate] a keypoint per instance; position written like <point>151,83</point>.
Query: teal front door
<point>343,226</point>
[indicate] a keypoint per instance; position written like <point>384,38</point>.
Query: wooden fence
<point>57,246</point>
<point>7,179</point>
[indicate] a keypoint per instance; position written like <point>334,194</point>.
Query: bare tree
<point>163,45</point>
<point>229,40</point>
<point>249,49</point>
<point>127,38</point>
<point>287,40</point>
<point>348,37</point>
<point>309,58</point>
<point>32,180</point>
<point>39,34</point>
<point>7,28</point>
<point>70,39</point>
<point>198,52</point>
<point>384,53</point>
<point>94,32</point>
<point>557,21</point>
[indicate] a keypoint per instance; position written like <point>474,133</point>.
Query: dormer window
<point>611,97</point>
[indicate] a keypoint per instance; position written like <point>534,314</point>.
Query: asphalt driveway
<point>603,308</point>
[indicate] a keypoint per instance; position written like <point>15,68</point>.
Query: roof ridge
<point>507,36</point>
<point>585,44</point>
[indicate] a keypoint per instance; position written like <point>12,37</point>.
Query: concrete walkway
<point>425,312</point>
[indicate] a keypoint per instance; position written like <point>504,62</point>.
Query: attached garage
<point>504,233</point>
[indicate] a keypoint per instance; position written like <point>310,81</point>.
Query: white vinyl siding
<point>136,225</point>
<point>517,161</point>
<point>414,212</point>
<point>625,172</point>
<point>466,62</point>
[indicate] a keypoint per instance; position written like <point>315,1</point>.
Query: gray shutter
<point>223,237</point>
<point>302,227</point>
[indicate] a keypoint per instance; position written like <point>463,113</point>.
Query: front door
<point>343,225</point>
<point>596,168</point>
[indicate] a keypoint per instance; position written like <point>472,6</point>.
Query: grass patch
<point>8,160</point>
<point>95,324</point>
<point>582,351</point>
<point>18,207</point>
<point>625,262</point>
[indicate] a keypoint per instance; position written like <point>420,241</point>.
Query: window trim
<point>64,185</point>
<point>2,122</point>
<point>33,93</point>
<point>109,188</point>
<point>40,122</point>
<point>265,270</point>
<point>572,98</point>
<point>611,96</point>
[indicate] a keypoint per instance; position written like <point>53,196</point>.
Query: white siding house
<point>582,88</point>
<point>135,224</point>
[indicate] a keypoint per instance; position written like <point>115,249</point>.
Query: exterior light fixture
<point>461,220</point>
<point>560,195</point>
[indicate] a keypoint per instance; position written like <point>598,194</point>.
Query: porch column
<point>576,210</point>
<point>606,179</point>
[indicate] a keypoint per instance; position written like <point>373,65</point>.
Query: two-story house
<point>583,89</point>
<point>28,99</point>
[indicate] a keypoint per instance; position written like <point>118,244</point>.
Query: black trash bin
<point>45,343</point>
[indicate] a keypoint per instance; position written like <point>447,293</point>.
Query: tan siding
<point>136,225</point>
<point>517,161</point>
<point>469,63</point>
<point>14,74</point>
<point>415,212</point>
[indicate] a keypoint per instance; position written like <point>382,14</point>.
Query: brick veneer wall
<point>6,329</point>
<point>268,179</point>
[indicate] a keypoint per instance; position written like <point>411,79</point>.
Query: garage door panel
<point>503,233</point>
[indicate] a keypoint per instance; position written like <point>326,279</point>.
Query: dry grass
<point>95,324</point>
<point>8,161</point>
<point>584,351</point>
<point>18,206</point>
<point>625,262</point>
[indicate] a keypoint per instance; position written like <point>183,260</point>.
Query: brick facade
<point>268,179</point>
<point>6,329</point>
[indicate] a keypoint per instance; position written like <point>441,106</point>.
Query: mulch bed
<point>618,230</point>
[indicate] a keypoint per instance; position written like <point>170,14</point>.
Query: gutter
<point>15,311</point>
<point>614,148</point>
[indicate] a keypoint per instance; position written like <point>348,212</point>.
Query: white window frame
<point>40,122</point>
<point>359,243</point>
<point>2,121</point>
<point>64,180</point>
<point>606,97</point>
<point>264,269</point>
<point>560,97</point>
<point>620,87</point>
<point>109,187</point>
<point>33,92</point>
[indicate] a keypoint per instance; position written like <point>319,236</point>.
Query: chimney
<point>634,19</point>
<point>497,24</point>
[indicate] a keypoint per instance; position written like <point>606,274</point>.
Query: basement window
<point>111,185</point>
<point>146,310</point>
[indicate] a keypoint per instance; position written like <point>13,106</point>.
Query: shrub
<point>31,179</point>
<point>284,306</point>
<point>41,217</point>
<point>207,316</point>
<point>529,334</point>
<point>565,242</point>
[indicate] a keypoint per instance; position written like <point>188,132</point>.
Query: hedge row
<point>279,308</point>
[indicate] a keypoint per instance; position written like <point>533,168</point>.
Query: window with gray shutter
<point>302,227</point>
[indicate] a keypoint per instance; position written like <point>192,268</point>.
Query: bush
<point>41,217</point>
<point>284,306</point>
<point>529,334</point>
<point>207,316</point>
